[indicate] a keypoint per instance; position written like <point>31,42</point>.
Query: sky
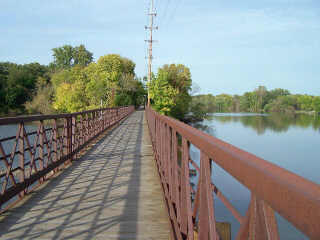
<point>230,46</point>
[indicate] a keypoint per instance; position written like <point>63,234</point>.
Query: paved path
<point>113,192</point>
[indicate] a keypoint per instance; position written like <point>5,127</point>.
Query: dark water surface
<point>289,141</point>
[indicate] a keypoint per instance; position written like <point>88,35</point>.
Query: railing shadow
<point>98,193</point>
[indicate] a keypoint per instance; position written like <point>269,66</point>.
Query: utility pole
<point>151,28</point>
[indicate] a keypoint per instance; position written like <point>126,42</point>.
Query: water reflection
<point>289,141</point>
<point>205,128</point>
<point>262,122</point>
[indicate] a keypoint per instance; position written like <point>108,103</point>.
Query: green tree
<point>305,102</point>
<point>63,56</point>
<point>169,90</point>
<point>316,104</point>
<point>81,56</point>
<point>68,56</point>
<point>162,93</point>
<point>3,82</point>
<point>261,93</point>
<point>224,102</point>
<point>110,81</point>
<point>42,101</point>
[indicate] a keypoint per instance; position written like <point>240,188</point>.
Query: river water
<point>289,141</point>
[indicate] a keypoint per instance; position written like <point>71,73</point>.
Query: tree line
<point>274,122</point>
<point>72,82</point>
<point>259,100</point>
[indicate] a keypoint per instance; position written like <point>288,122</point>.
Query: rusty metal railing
<point>31,156</point>
<point>272,188</point>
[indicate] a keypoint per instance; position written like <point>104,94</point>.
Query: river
<point>289,141</point>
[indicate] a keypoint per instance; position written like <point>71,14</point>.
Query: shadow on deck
<point>113,192</point>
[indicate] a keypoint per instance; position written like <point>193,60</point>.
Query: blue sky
<point>230,46</point>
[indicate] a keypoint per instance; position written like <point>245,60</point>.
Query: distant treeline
<point>72,82</point>
<point>274,122</point>
<point>259,100</point>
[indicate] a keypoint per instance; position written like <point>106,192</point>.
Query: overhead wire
<point>146,48</point>
<point>173,13</point>
<point>163,15</point>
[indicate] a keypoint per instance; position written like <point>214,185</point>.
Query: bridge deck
<point>113,192</point>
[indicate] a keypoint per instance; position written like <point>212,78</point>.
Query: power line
<point>164,13</point>
<point>171,17</point>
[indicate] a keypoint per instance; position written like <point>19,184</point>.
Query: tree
<point>68,56</point>
<point>42,101</point>
<point>224,102</point>
<point>273,94</point>
<point>111,81</point>
<point>81,56</point>
<point>316,104</point>
<point>173,81</point>
<point>169,90</point>
<point>21,83</point>
<point>305,102</point>
<point>261,93</point>
<point>162,93</point>
<point>3,82</point>
<point>286,104</point>
<point>63,56</point>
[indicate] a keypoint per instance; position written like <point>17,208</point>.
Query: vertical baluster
<point>93,124</point>
<point>207,226</point>
<point>41,149</point>
<point>169,160</point>
<point>186,210</point>
<point>21,157</point>
<point>262,221</point>
<point>65,134</point>
<point>117,114</point>
<point>73,135</point>
<point>89,125</point>
<point>175,188</point>
<point>69,137</point>
<point>103,121</point>
<point>81,130</point>
<point>55,141</point>
<point>108,117</point>
<point>163,153</point>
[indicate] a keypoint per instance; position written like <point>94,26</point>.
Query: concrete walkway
<point>113,192</point>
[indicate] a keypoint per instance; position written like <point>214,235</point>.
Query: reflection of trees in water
<point>274,122</point>
<point>205,128</point>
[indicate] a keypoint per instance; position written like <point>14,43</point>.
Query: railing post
<point>73,136</point>
<point>262,221</point>
<point>186,210</point>
<point>86,128</point>
<point>55,143</point>
<point>207,222</point>
<point>81,130</point>
<point>21,157</point>
<point>41,150</point>
<point>67,139</point>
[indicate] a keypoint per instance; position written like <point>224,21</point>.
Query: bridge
<point>117,173</point>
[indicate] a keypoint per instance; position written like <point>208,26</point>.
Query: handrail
<point>272,187</point>
<point>58,139</point>
<point>39,117</point>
